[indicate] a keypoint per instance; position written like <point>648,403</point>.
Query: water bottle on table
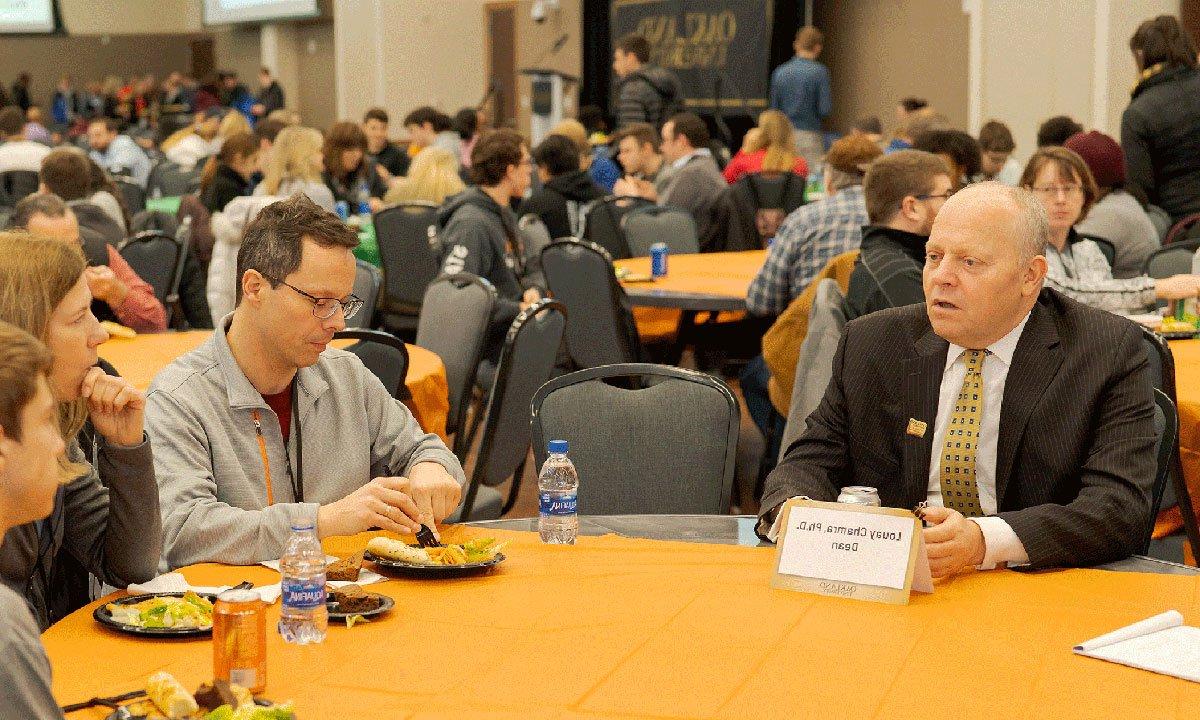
<point>303,617</point>
<point>558,485</point>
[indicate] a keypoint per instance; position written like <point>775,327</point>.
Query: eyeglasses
<point>325,308</point>
<point>1053,191</point>
<point>944,196</point>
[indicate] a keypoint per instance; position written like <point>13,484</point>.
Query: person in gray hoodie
<point>646,93</point>
<point>264,427</point>
<point>105,517</point>
<point>479,234</point>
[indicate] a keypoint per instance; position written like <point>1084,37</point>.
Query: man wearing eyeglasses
<point>903,192</point>
<point>264,426</point>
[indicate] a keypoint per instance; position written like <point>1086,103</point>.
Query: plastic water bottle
<point>303,617</point>
<point>558,485</point>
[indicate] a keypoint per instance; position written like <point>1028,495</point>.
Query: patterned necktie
<point>959,491</point>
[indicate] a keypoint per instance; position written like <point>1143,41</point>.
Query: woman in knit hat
<point>1117,216</point>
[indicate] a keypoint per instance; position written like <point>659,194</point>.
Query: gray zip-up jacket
<point>107,520</point>
<point>211,479</point>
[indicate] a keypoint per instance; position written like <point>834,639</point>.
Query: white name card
<point>854,551</point>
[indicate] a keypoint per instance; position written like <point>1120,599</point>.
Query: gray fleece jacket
<point>212,484</point>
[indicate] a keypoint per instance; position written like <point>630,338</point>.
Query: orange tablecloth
<point>728,274</point>
<point>621,628</point>
<point>139,359</point>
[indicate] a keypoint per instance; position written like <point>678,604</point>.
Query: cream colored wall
<point>879,51</point>
<point>117,17</point>
<point>401,54</point>
<point>534,41</point>
<point>1049,58</point>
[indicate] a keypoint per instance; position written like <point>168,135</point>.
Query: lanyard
<point>298,476</point>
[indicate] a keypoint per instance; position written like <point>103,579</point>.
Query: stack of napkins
<point>1161,644</point>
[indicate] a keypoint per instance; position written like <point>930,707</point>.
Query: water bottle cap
<point>364,208</point>
<point>558,446</point>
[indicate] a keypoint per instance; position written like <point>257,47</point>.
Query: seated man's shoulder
<point>188,374</point>
<point>895,327</point>
<point>1086,326</point>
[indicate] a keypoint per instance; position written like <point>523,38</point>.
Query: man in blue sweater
<point>800,89</point>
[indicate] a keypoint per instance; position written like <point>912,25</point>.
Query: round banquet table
<point>140,358</point>
<point>696,282</point>
<point>623,627</point>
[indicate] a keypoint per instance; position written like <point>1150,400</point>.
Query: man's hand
<point>384,502</point>
<point>637,187</point>
<point>105,285</point>
<point>1177,287</point>
<point>435,492</point>
<point>116,408</point>
<point>528,298</point>
<point>953,542</point>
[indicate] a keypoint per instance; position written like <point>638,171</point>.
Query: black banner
<point>705,42</point>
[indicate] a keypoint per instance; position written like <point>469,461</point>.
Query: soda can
<point>658,260</point>
<point>240,639</point>
<point>343,209</point>
<point>859,495</point>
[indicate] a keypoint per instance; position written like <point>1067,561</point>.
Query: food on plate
<point>169,696</point>
<point>345,569</point>
<point>168,700</point>
<point>1169,325</point>
<point>473,551</point>
<point>210,697</point>
<point>165,611</point>
<point>353,599</point>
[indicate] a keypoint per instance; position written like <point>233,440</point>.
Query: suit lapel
<point>923,380</point>
<point>1035,363</point>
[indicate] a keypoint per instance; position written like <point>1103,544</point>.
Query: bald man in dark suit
<point>1024,419</point>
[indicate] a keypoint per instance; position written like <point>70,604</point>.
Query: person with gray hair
<point>264,426</point>
<point>1019,417</point>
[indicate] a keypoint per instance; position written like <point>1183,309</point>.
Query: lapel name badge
<point>916,428</point>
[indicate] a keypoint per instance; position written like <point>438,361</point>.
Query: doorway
<point>501,52</point>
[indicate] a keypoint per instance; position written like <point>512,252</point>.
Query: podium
<point>546,100</point>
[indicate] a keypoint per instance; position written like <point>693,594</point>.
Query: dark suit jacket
<point>1076,452</point>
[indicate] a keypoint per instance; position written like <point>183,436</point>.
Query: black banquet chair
<point>384,354</point>
<point>649,439</point>
<point>526,363</point>
<point>410,253</point>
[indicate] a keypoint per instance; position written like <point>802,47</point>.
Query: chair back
<point>526,363</point>
<point>654,224</point>
<point>1182,230</point>
<point>535,236</point>
<point>601,329</point>
<point>409,251</point>
<point>814,369</point>
<point>1107,249</point>
<point>15,185</point>
<point>646,439</point>
<point>1166,427</point>
<point>603,225</point>
<point>455,315</point>
<point>1173,259</point>
<point>133,194</point>
<point>156,220</point>
<point>383,354</point>
<point>367,281</point>
<point>157,258</point>
<point>169,180</point>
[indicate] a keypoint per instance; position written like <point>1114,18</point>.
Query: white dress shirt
<point>1002,544</point>
<point>22,155</point>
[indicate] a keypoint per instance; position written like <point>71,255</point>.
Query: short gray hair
<point>1032,224</point>
<point>46,204</point>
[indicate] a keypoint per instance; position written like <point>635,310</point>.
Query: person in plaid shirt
<point>812,235</point>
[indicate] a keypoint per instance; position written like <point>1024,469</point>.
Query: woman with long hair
<point>227,174</point>
<point>295,166</point>
<point>351,176</point>
<point>107,514</point>
<point>770,150</point>
<point>432,177</point>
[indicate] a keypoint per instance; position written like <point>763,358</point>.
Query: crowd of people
<point>968,267</point>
